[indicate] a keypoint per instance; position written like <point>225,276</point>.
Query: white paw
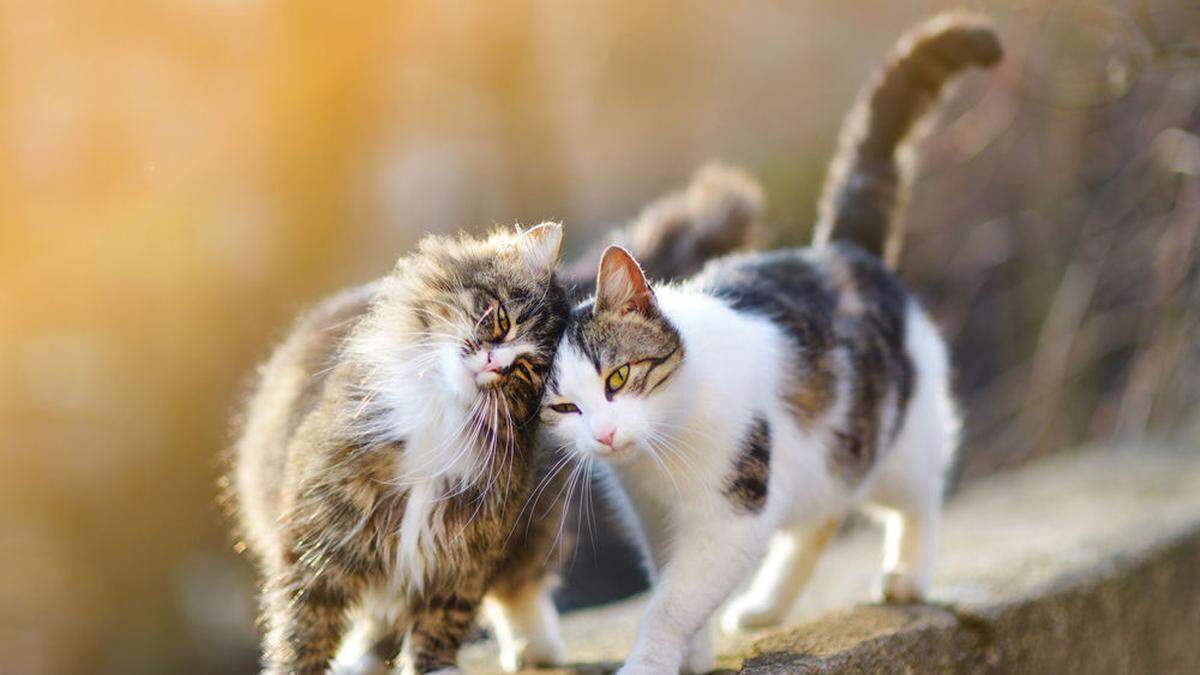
<point>750,614</point>
<point>535,652</point>
<point>407,668</point>
<point>364,664</point>
<point>700,658</point>
<point>900,587</point>
<point>639,669</point>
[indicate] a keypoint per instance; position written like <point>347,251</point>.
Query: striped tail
<point>867,182</point>
<point>719,212</point>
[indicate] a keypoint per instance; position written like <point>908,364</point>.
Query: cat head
<point>605,396</point>
<point>471,322</point>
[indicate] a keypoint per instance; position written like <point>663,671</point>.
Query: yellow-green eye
<point>502,324</point>
<point>565,408</point>
<point>616,379</point>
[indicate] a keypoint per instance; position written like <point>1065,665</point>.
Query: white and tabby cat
<point>747,410</point>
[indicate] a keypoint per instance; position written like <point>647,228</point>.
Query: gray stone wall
<point>1088,562</point>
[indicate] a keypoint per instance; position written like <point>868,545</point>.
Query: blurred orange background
<point>180,177</point>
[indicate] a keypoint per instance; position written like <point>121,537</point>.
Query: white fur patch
<point>420,392</point>
<point>687,434</point>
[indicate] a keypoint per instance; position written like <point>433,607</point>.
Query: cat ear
<point>540,245</point>
<point>621,285</point>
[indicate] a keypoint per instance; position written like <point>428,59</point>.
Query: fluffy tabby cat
<point>746,410</point>
<point>386,454</point>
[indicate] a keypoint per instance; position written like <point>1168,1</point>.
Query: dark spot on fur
<point>746,487</point>
<point>845,315</point>
<point>871,317</point>
<point>320,594</point>
<point>810,396</point>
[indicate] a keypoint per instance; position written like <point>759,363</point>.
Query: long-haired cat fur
<point>386,482</point>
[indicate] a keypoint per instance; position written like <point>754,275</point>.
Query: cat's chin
<point>463,393</point>
<point>619,455</point>
<point>486,380</point>
<point>461,384</point>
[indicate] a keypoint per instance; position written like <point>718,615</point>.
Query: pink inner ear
<point>640,302</point>
<point>621,283</point>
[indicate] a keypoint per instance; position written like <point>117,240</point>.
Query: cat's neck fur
<point>403,401</point>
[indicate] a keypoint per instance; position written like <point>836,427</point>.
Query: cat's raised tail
<point>868,179</point>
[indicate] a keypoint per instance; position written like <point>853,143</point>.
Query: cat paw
<point>407,668</point>
<point>537,652</point>
<point>700,658</point>
<point>364,664</point>
<point>900,588</point>
<point>746,614</point>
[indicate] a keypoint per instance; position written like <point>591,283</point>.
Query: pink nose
<point>491,365</point>
<point>606,438</point>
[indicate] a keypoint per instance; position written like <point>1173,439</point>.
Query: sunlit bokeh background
<point>179,177</point>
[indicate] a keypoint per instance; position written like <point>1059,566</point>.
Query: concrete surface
<point>1088,562</point>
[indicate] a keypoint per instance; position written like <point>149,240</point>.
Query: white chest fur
<point>443,451</point>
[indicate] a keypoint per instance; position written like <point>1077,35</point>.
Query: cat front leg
<point>700,657</point>
<point>648,520</point>
<point>440,625</point>
<point>908,490</point>
<point>368,648</point>
<point>519,605</point>
<point>909,542</point>
<point>707,562</point>
<point>306,616</point>
<point>526,625</point>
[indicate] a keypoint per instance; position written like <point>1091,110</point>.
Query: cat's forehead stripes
<point>649,344</point>
<point>652,373</point>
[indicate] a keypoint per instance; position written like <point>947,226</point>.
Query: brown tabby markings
<point>845,318</point>
<point>612,338</point>
<point>343,540</point>
<point>651,373</point>
<point>810,396</point>
<point>317,498</point>
<point>871,315</point>
<point>746,487</point>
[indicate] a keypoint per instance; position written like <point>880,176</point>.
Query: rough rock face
<point>1082,563</point>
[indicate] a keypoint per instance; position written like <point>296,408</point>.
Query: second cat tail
<point>719,212</point>
<point>868,179</point>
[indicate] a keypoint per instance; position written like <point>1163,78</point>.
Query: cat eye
<point>502,322</point>
<point>617,378</point>
<point>565,408</point>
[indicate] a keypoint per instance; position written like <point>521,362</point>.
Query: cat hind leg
<point>908,491</point>
<point>526,625</point>
<point>789,564</point>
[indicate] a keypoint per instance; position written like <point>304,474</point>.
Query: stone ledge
<point>1087,562</point>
